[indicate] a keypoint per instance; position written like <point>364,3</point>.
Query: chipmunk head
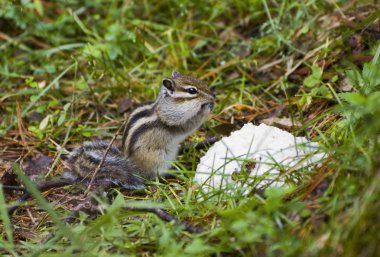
<point>184,100</point>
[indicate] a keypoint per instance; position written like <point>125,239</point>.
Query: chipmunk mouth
<point>208,105</point>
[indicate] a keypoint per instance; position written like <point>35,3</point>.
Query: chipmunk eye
<point>192,90</point>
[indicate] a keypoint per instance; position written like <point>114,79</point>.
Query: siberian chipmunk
<point>152,135</point>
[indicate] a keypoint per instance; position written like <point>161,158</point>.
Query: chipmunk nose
<point>211,100</point>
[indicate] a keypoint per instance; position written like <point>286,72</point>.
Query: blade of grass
<point>60,151</point>
<point>6,222</point>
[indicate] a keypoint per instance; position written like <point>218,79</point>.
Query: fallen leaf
<point>37,166</point>
<point>284,122</point>
<point>45,122</point>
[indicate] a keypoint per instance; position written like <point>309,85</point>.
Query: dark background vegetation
<point>73,70</point>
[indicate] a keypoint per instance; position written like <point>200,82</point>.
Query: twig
<point>17,188</point>
<point>162,214</point>
<point>21,128</point>
<point>269,65</point>
<point>91,209</point>
<point>104,157</point>
<point>165,216</point>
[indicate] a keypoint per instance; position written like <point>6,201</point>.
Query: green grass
<point>65,66</point>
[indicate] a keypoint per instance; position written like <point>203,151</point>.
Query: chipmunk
<point>152,135</point>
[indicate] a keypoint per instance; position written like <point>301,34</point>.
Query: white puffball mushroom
<point>260,151</point>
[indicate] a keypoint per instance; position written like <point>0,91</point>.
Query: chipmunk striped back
<point>153,132</point>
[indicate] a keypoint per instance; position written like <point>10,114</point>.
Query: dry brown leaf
<point>37,166</point>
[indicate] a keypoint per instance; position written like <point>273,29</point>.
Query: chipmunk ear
<point>176,74</point>
<point>169,84</point>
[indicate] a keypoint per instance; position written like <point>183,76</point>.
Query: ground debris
<point>37,166</point>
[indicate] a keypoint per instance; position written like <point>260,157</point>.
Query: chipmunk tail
<point>84,160</point>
